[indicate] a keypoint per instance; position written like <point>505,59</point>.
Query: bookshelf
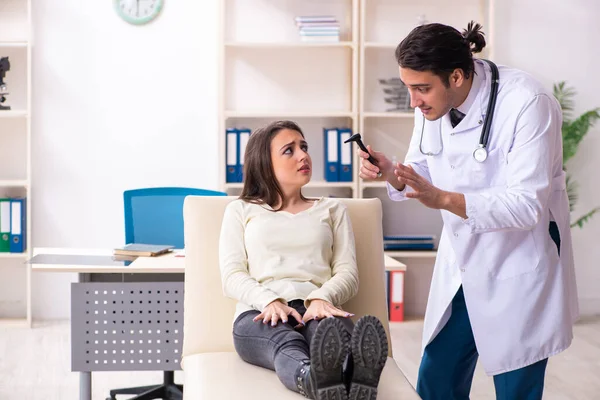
<point>337,84</point>
<point>266,72</point>
<point>15,155</point>
<point>390,132</point>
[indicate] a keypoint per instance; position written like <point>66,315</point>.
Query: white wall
<point>115,107</point>
<point>558,40</point>
<point>118,107</point>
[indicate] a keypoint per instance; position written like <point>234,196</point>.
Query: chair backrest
<point>208,314</point>
<point>155,215</point>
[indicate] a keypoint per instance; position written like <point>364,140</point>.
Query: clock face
<point>138,11</point>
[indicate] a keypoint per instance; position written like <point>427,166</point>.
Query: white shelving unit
<point>266,73</point>
<point>15,155</point>
<point>390,132</point>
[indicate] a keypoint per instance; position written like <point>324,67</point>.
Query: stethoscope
<point>480,154</point>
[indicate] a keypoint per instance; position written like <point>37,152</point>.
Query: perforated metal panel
<point>123,326</point>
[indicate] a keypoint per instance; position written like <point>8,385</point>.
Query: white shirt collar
<point>477,78</point>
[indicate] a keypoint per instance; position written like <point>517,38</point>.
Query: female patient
<point>290,263</point>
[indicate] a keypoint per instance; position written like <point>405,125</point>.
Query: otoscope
<point>356,138</point>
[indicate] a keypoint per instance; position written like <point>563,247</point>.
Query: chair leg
<point>169,390</point>
<point>168,377</point>
<point>156,393</point>
<point>174,392</point>
<point>132,390</point>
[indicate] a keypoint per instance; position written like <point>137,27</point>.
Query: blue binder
<point>243,136</point>
<point>331,155</point>
<point>231,155</point>
<point>345,155</point>
<point>17,225</point>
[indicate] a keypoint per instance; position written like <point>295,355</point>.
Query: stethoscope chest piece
<point>480,154</point>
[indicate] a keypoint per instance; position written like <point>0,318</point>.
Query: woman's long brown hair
<point>260,184</point>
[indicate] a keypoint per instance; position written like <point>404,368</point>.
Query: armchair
<point>212,368</point>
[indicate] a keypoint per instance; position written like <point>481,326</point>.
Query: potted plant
<point>573,131</point>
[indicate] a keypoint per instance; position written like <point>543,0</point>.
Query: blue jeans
<point>448,364</point>
<point>281,348</point>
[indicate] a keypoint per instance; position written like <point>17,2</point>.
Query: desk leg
<point>85,378</point>
<point>85,386</point>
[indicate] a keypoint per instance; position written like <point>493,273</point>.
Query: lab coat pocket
<point>518,255</point>
<point>491,172</point>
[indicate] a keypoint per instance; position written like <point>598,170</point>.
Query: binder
<point>396,296</point>
<point>409,237</point>
<point>243,136</point>
<point>390,246</point>
<point>17,226</point>
<point>4,225</point>
<point>330,159</point>
<point>387,293</point>
<point>345,155</point>
<point>231,153</point>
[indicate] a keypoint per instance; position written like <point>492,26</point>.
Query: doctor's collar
<point>478,75</point>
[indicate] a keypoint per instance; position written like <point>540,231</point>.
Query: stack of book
<point>325,28</point>
<point>133,250</point>
<point>408,242</point>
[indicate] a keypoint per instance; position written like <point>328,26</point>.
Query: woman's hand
<point>319,309</point>
<point>276,311</point>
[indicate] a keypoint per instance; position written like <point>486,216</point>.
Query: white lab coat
<point>521,297</point>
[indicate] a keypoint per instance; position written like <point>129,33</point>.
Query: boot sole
<point>329,348</point>
<point>369,351</point>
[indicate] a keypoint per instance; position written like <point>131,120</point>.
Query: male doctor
<point>503,287</point>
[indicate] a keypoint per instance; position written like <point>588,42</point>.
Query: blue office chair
<point>155,216</point>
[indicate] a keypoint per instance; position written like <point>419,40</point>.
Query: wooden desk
<point>101,261</point>
<point>391,264</point>
<point>98,263</point>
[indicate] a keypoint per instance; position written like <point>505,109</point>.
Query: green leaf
<point>574,131</point>
<point>571,192</point>
<point>585,218</point>
<point>564,95</point>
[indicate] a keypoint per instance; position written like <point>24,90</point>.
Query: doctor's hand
<point>369,172</point>
<point>319,309</point>
<point>423,190</point>
<point>276,311</point>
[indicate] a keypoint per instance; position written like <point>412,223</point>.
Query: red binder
<point>396,296</point>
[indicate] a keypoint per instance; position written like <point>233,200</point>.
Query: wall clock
<point>138,12</point>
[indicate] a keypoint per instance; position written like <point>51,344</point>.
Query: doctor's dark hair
<point>260,183</point>
<point>441,49</point>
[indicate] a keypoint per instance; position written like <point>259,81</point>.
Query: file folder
<point>4,225</point>
<point>231,153</point>
<point>345,155</point>
<point>396,296</point>
<point>17,226</point>
<point>387,293</point>
<point>330,159</point>
<point>244,136</point>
